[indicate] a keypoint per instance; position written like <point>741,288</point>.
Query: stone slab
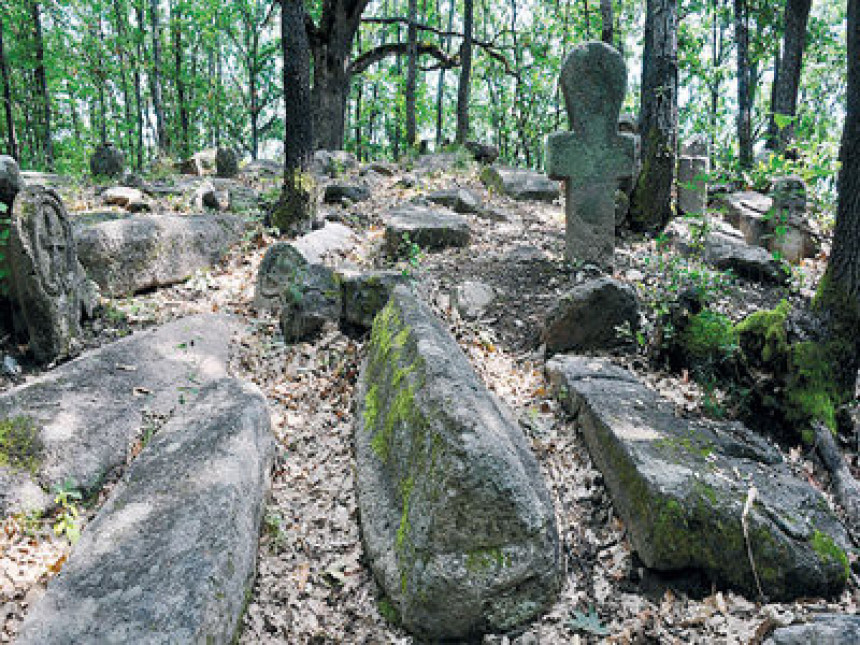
<point>430,228</point>
<point>520,184</point>
<point>171,556</point>
<point>90,410</point>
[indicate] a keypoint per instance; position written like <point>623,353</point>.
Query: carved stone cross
<point>593,156</point>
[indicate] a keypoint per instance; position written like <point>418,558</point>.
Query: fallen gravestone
<point>520,184</point>
<point>131,199</point>
<point>728,253</point>
<point>714,497</point>
<point>11,182</point>
<point>171,556</point>
<point>458,526</point>
<point>431,229</point>
<point>594,156</point>
<point>364,294</point>
<point>572,325</point>
<point>50,289</point>
<point>458,200</point>
<point>107,161</point>
<point>86,413</point>
<point>130,255</point>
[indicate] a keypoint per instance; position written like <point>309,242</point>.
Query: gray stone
<point>310,298</point>
<point>130,255</point>
<point>243,198</point>
<point>271,150</point>
<point>520,184</point>
<point>693,184</point>
<point>90,410</point>
<point>340,192</point>
<point>124,197</point>
<point>725,252</point>
<point>757,218</point>
<point>264,168</point>
<point>383,168</point>
<point>586,318</point>
<point>208,197</point>
<point>366,293</point>
<point>483,152</point>
<point>47,179</point>
<point>681,486</point>
<point>458,200</point>
<point>226,163</point>
<point>594,157</point>
<point>472,298</point>
<point>49,285</point>
<point>696,146</point>
<point>458,526</point>
<point>199,163</point>
<point>107,161</point>
<point>825,629</point>
<point>170,558</point>
<point>431,229</point>
<point>628,123</point>
<point>11,182</point>
<point>332,163</point>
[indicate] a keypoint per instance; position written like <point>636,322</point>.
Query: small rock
<point>826,629</point>
<point>458,200</point>
<point>340,192</point>
<point>123,196</point>
<point>10,367</point>
<point>472,298</point>
<point>309,300</point>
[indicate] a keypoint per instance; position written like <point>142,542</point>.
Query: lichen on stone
<point>20,444</point>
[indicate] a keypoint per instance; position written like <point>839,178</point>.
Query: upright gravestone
<point>11,182</point>
<point>107,161</point>
<point>226,163</point>
<point>693,168</point>
<point>594,156</point>
<point>51,288</point>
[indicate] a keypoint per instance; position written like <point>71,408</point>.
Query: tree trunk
<point>138,98</point>
<point>651,202</point>
<point>465,87</point>
<point>124,45</point>
<point>181,98</point>
<point>155,78</point>
<point>440,89</point>
<point>412,75</point>
<point>11,139</point>
<point>787,82</point>
<point>744,118</point>
<point>42,83</point>
<point>606,34</point>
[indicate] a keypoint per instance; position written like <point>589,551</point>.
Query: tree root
<point>846,489</point>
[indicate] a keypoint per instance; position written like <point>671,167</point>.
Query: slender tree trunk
<point>180,81</point>
<point>155,78</point>
<point>465,87</point>
<point>412,74</point>
<point>787,82</point>
<point>42,82</point>
<point>651,202</point>
<point>138,98</point>
<point>606,34</point>
<point>11,139</point>
<point>744,118</point>
<point>124,45</point>
<point>440,88</point>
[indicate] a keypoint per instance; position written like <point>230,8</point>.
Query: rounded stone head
<point>594,81</point>
<point>11,182</point>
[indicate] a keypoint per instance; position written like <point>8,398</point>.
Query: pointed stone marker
<point>594,155</point>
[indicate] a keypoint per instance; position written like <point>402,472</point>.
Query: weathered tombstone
<point>789,198</point>
<point>226,163</point>
<point>694,165</point>
<point>51,288</point>
<point>11,182</point>
<point>594,156</point>
<point>107,161</point>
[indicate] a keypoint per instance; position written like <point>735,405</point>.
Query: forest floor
<point>312,584</point>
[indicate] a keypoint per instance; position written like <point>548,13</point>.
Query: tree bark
<point>138,98</point>
<point>744,117</point>
<point>412,75</point>
<point>11,139</point>
<point>651,202</point>
<point>440,88</point>
<point>181,98</point>
<point>787,82</point>
<point>120,16</point>
<point>606,34</point>
<point>155,78</point>
<point>464,90</point>
<point>42,83</point>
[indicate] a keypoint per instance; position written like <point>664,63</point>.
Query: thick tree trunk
<point>155,77</point>
<point>606,34</point>
<point>744,117</point>
<point>787,82</point>
<point>465,87</point>
<point>412,75</point>
<point>42,83</point>
<point>651,202</point>
<point>11,139</point>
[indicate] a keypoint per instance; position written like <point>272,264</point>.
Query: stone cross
<point>693,168</point>
<point>593,157</point>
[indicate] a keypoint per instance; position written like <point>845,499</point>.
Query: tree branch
<point>381,52</point>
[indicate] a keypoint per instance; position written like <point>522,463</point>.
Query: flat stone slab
<point>520,184</point>
<point>88,412</point>
<point>680,486</point>
<point>457,523</point>
<point>825,629</point>
<point>725,252</point>
<point>130,255</point>
<point>171,556</point>
<point>458,200</point>
<point>430,228</point>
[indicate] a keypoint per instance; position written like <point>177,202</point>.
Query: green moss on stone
<point>767,330</point>
<point>388,611</point>
<point>710,336</point>
<point>828,551</point>
<point>20,444</point>
<point>482,560</point>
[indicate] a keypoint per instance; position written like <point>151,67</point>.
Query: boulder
<point>11,182</point>
<point>681,487</point>
<point>825,629</point>
<point>520,184</point>
<point>483,152</point>
<point>725,252</point>
<point>431,229</point>
<point>86,413</point>
<point>171,556</point>
<point>199,163</point>
<point>208,197</point>
<point>458,200</point>
<point>365,293</point>
<point>130,199</point>
<point>310,298</point>
<point>107,161</point>
<point>226,163</point>
<point>130,255</point>
<point>285,260</point>
<point>333,163</point>
<point>341,192</point>
<point>472,298</point>
<point>457,523</point>
<point>586,318</point>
